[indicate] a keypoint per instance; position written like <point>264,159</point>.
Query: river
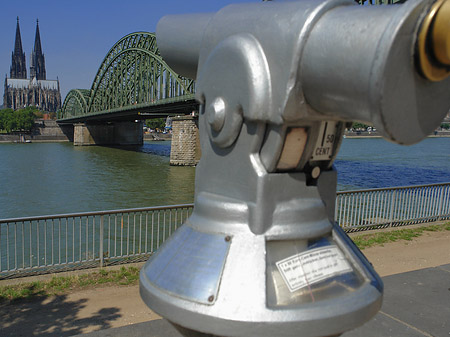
<point>55,178</point>
<point>375,162</point>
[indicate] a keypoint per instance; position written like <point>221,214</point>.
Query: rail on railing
<point>54,243</point>
<point>44,244</point>
<point>396,206</point>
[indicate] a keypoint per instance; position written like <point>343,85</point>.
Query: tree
<point>156,123</point>
<point>6,119</point>
<point>19,120</point>
<point>358,125</point>
<point>25,119</point>
<point>3,113</point>
<point>445,126</point>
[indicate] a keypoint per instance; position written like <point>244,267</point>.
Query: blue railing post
<point>101,241</point>
<point>441,199</point>
<point>391,215</point>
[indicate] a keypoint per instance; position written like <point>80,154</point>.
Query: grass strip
<point>58,285</point>
<point>381,238</point>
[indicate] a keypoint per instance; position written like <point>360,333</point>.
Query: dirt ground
<point>108,307</point>
<point>432,249</point>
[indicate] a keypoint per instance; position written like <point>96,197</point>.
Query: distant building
<point>21,91</point>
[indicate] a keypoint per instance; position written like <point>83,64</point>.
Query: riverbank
<point>371,134</point>
<point>50,131</point>
<point>44,131</point>
<point>157,136</point>
<point>53,134</point>
<point>6,139</point>
<point>30,138</point>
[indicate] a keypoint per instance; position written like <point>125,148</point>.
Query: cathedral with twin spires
<point>21,91</point>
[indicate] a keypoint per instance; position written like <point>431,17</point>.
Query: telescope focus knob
<point>441,34</point>
<point>434,42</point>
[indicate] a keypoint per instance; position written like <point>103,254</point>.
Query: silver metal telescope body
<point>278,82</point>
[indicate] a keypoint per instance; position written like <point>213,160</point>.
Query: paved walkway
<point>416,304</point>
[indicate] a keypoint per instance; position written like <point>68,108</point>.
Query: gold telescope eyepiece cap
<point>434,42</point>
<point>441,34</point>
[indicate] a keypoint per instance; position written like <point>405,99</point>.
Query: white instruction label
<point>312,266</point>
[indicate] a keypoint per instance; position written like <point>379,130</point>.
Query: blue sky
<point>77,35</point>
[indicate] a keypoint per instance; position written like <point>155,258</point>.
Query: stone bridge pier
<point>113,133</point>
<point>185,149</point>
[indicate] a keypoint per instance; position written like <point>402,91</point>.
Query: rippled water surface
<point>374,162</point>
<point>49,178</point>
<point>53,178</point>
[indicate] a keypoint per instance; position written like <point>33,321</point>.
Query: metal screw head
<point>315,173</point>
<point>211,298</point>
<point>216,114</point>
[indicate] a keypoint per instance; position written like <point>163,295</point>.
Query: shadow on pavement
<point>416,304</point>
<point>51,316</point>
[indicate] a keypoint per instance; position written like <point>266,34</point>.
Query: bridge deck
<point>180,105</point>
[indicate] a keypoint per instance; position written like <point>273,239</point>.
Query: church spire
<point>37,68</point>
<point>37,40</point>
<point>18,66</point>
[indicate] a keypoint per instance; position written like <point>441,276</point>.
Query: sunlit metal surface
<point>191,251</point>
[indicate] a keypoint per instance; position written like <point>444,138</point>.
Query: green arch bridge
<point>132,83</point>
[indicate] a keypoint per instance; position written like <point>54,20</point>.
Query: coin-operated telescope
<point>278,83</point>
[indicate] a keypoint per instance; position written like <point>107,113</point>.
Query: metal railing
<point>54,243</point>
<point>43,244</point>
<point>396,206</point>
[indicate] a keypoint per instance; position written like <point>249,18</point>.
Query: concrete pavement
<point>416,304</point>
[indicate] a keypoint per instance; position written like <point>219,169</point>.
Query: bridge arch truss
<point>76,103</point>
<point>133,73</point>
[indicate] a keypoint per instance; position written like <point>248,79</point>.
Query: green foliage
<point>358,125</point>
<point>59,284</point>
<point>22,291</point>
<point>123,276</point>
<point>156,123</point>
<point>445,126</point>
<point>19,120</point>
<point>38,114</point>
<point>379,239</point>
<point>63,284</point>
